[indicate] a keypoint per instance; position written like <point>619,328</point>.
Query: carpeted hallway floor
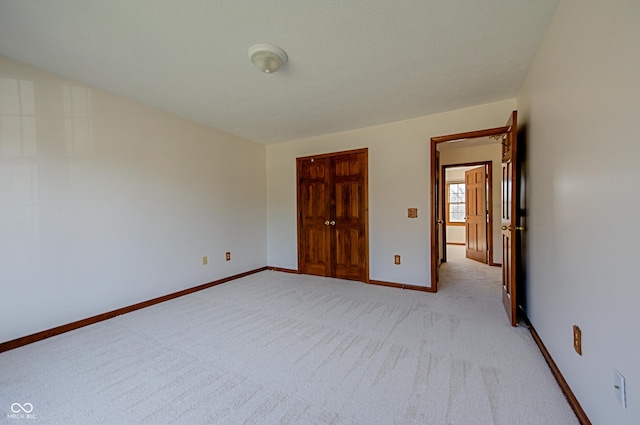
<point>275,348</point>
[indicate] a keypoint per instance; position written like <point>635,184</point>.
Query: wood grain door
<point>510,218</point>
<point>441,236</point>
<point>314,200</point>
<point>349,211</point>
<point>332,215</point>
<point>476,214</point>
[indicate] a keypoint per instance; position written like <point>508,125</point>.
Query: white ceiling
<point>352,63</point>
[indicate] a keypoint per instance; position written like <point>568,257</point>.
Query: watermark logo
<point>26,408</point>
<point>21,411</point>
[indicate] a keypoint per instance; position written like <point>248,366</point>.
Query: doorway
<point>511,208</point>
<point>332,198</point>
<point>468,204</point>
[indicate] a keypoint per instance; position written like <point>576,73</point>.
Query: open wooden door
<point>510,218</point>
<point>441,254</point>
<point>476,214</point>
<point>332,215</point>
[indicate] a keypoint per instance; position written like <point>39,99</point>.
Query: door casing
<point>458,137</point>
<point>442,199</point>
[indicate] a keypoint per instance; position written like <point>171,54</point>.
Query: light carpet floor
<point>275,348</point>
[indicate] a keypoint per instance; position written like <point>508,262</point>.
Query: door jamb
<point>434,142</point>
<point>489,169</point>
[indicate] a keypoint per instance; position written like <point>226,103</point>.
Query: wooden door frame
<point>458,137</point>
<point>364,151</point>
<point>490,241</point>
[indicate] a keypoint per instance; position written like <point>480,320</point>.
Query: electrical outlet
<point>396,259</point>
<point>228,256</point>
<point>618,385</point>
<point>205,261</point>
<point>577,339</point>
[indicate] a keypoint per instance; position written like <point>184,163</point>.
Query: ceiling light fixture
<point>267,58</point>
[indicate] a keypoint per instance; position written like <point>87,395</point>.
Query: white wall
<point>581,106</point>
<point>105,202</point>
<point>455,174</point>
<point>398,179</point>
<point>493,153</point>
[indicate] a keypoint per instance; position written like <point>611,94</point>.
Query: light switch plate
<point>618,385</point>
<point>577,339</point>
<point>412,213</point>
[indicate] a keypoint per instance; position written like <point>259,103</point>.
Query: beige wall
<point>493,153</point>
<point>398,179</point>
<point>105,202</point>
<point>580,107</point>
<point>456,235</point>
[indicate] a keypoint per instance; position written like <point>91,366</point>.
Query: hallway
<point>462,276</point>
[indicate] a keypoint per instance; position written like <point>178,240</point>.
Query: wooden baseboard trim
<point>492,264</point>
<point>571,398</point>
<point>401,285</point>
<point>283,270</point>
<point>19,342</point>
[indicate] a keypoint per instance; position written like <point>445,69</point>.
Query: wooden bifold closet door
<point>332,215</point>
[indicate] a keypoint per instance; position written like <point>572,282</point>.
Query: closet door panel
<point>314,234</point>
<point>349,210</point>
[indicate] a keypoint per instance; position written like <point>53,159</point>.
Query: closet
<point>333,215</point>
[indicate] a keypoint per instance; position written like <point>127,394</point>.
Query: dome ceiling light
<point>267,58</point>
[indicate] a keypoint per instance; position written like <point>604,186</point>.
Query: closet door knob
<point>326,223</point>
<point>333,223</point>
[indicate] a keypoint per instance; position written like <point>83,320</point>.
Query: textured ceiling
<point>352,63</point>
